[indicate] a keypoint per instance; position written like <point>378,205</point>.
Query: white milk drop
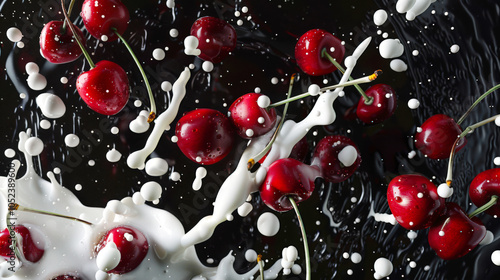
<point>175,176</point>
<point>158,54</point>
<point>348,155</point>
<point>207,66</point>
<point>64,80</point>
<point>32,68</point>
<point>495,257</point>
<point>109,257</point>
<point>170,4</point>
<point>250,255</point>
<point>14,34</point>
<point>454,48</point>
<point>418,8</point>
<point>397,65</point>
<point>413,264</point>
<point>497,121</point>
<point>51,105</point>
<point>151,191</point>
<point>444,190</point>
<point>166,86</point>
<point>411,234</point>
<point>114,130</point>
<point>391,48</point>
<point>413,103</point>
<point>9,153</point>
<point>33,146</point>
<point>496,161</point>
<point>191,46</point>
<point>37,81</point>
<point>78,187</point>
<point>101,275</point>
<point>488,238</point>
<point>113,155</point>
<point>263,101</point>
<point>245,209</point>
<point>274,80</point>
<point>138,199</point>
<point>201,172</point>
<point>313,89</point>
<point>45,124</point>
<point>139,124</point>
<point>356,257</point>
<point>156,167</point>
<point>173,33</point>
<point>379,17</point>
<point>268,224</point>
<point>403,6</point>
<point>72,140</point>
<point>383,268</point>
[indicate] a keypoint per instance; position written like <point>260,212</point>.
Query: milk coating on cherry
<point>216,38</point>
<point>485,185</point>
<point>414,201</point>
<point>437,136</point>
<point>57,44</point>
<point>103,17</point>
<point>309,48</point>
<point>249,119</point>
<point>30,250</point>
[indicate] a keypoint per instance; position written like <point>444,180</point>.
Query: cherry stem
<point>304,238</point>
<point>255,159</point>
<point>31,210</point>
<point>152,114</point>
<point>75,35</point>
<point>485,207</point>
<point>368,99</point>
<point>477,102</point>
<point>71,4</point>
<point>261,266</point>
<point>469,129</point>
<point>366,79</point>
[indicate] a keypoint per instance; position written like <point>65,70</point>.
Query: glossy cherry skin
<point>437,137</point>
<point>414,201</point>
<point>205,136</point>
<point>287,178</point>
<point>66,277</point>
<point>216,38</point>
<point>104,88</point>
<point>132,252</point>
<point>249,119</point>
<point>326,157</point>
<point>300,150</point>
<point>383,106</point>
<point>308,52</point>
<point>461,234</point>
<point>100,17</point>
<point>483,187</point>
<point>58,45</point>
<point>30,250</point>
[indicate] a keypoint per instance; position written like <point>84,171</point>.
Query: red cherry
<point>454,237</point>
<point>414,201</point>
<point>101,17</point>
<point>287,178</point>
<point>58,45</point>
<point>483,187</point>
<point>249,118</point>
<point>104,88</point>
<point>308,52</point>
<point>216,38</point>
<point>205,135</point>
<point>30,250</point>
<point>66,277</point>
<point>437,137</point>
<point>131,243</point>
<point>383,105</point>
<point>326,157</point>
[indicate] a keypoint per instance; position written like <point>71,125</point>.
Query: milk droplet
<point>488,238</point>
<point>78,187</point>
<point>249,132</point>
<point>413,103</point>
<point>454,48</point>
<point>383,267</point>
<point>444,190</point>
<point>37,81</point>
<point>441,233</point>
<point>251,255</point>
<point>274,80</point>
<point>379,17</point>
<point>497,121</point>
<point>207,66</point>
<point>356,257</point>
<point>495,257</point>
<point>313,89</point>
<point>151,191</point>
<point>496,161</point>
<point>109,257</point>
<point>391,48</point>
<point>33,146</point>
<point>139,124</point>
<point>104,38</point>
<point>411,234</point>
<point>51,105</point>
<point>170,4</point>
<point>71,140</point>
<point>413,264</point>
<point>45,124</point>
<point>101,275</point>
<point>156,167</point>
<point>398,65</point>
<point>114,130</point>
<point>9,153</point>
<point>14,34</point>
<point>158,54</point>
<point>268,224</point>
<point>138,199</point>
<point>173,33</point>
<point>245,209</point>
<point>263,101</point>
<point>403,6</point>
<point>166,86</point>
<point>63,80</point>
<point>32,68</point>
<point>191,46</point>
<point>113,155</point>
<point>348,155</point>
<point>175,176</point>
